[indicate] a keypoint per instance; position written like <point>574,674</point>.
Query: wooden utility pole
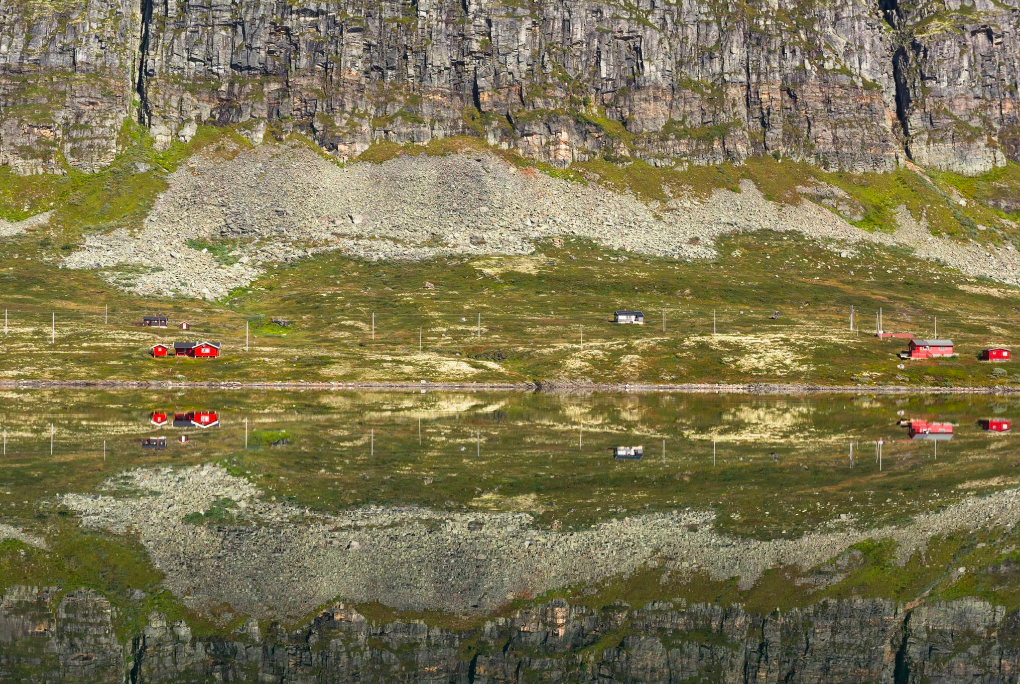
<point>5,441</point>
<point>51,439</point>
<point>479,325</point>
<point>713,321</point>
<point>663,320</point>
<point>246,328</point>
<point>104,449</point>
<point>713,453</point>
<point>851,318</point>
<point>419,431</point>
<point>419,339</point>
<point>372,443</point>
<point>936,327</point>
<point>245,433</point>
<point>5,321</point>
<point>106,314</point>
<point>373,325</point>
<point>582,334</point>
<point>53,329</point>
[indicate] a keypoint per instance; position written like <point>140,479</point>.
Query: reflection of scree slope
<point>280,561</point>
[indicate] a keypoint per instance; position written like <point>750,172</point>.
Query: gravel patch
<point>10,229</point>
<point>11,532</point>
<point>281,561</point>
<point>276,203</point>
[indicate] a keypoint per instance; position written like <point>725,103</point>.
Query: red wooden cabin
<point>996,354</point>
<point>206,350</point>
<point>995,424</point>
<point>160,351</point>
<point>158,418</point>
<point>930,349</point>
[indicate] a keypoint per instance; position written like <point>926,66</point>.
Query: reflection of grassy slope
<point>530,461</point>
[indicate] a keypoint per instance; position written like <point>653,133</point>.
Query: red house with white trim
<point>930,349</point>
<point>995,424</point>
<point>197,350</point>
<point>996,354</point>
<point>160,351</point>
<point>158,418</point>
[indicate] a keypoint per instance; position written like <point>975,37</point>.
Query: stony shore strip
<point>551,386</point>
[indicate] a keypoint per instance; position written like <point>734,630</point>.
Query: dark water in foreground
<point>659,532</point>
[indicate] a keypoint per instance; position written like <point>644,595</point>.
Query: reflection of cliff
<point>72,640</point>
<point>218,541</point>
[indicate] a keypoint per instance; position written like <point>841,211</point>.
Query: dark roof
<point>628,312</point>
<point>933,343</point>
<point>184,345</point>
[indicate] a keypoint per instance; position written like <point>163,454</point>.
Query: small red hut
<point>158,418</point>
<point>160,351</point>
<point>996,354</point>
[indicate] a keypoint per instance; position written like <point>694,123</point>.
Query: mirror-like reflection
<point>221,507</point>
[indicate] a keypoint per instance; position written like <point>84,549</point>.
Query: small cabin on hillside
<point>995,424</point>
<point>205,419</point>
<point>198,350</point>
<point>158,418</point>
<point>154,321</point>
<point>628,453</point>
<point>996,354</point>
<point>184,325</point>
<point>929,349</point>
<point>628,316</point>
<point>160,351</point>
<point>154,443</point>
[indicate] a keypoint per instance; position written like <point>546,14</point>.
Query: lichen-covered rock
<point>849,84</point>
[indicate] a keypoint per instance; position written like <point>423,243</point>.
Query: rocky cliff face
<point>71,640</point>
<point>849,84</point>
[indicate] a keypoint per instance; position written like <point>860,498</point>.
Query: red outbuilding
<point>995,424</point>
<point>930,349</point>
<point>160,351</point>
<point>158,418</point>
<point>996,354</point>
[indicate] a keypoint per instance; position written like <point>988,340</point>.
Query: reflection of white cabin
<point>628,453</point>
<point>629,317</point>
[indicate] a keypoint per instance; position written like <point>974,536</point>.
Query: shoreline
<point>548,387</point>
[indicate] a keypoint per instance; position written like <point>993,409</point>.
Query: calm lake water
<point>634,534</point>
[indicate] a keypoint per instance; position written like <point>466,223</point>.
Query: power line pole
<point>663,320</point>
<point>246,335</point>
<point>419,339</point>
<point>245,433</point>
<point>5,321</point>
<point>53,329</point>
<point>851,318</point>
<point>582,334</point>
<point>51,439</point>
<point>373,325</point>
<point>479,326</point>
<point>713,322</point>
<point>106,314</point>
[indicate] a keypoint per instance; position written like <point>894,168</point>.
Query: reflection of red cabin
<point>929,349</point>
<point>923,429</point>
<point>160,351</point>
<point>996,354</point>
<point>995,424</point>
<point>204,419</point>
<point>158,418</point>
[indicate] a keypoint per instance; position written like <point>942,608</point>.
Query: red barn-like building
<point>995,425</point>
<point>205,419</point>
<point>930,349</point>
<point>160,351</point>
<point>996,354</point>
<point>158,418</point>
